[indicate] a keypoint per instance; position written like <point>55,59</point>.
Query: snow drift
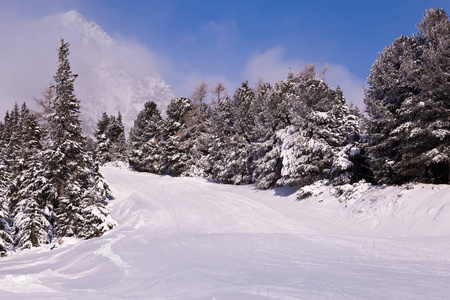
<point>187,238</point>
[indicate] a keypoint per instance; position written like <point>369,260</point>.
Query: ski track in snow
<point>186,238</point>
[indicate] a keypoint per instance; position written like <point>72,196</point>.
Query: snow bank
<point>406,210</point>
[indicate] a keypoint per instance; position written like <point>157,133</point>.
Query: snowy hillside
<point>186,238</point>
<point>113,76</point>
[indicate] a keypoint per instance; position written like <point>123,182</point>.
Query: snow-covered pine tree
<point>309,145</point>
<point>144,139</point>
<point>196,136</point>
<point>116,132</point>
<point>230,156</point>
<point>174,154</point>
<point>272,117</point>
<point>6,240</point>
<point>351,164</point>
<point>426,152</point>
<point>110,135</point>
<point>221,132</point>
<point>74,187</point>
<point>408,105</point>
<point>12,138</point>
<point>103,142</point>
<point>31,225</point>
<point>390,83</point>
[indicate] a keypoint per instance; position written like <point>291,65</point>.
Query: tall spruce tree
<point>408,105</point>
<point>32,228</point>
<point>174,153</point>
<point>116,132</point>
<point>145,136</point>
<point>76,190</point>
<point>196,135</point>
<point>230,155</point>
<point>103,142</point>
<point>6,240</point>
<point>110,136</point>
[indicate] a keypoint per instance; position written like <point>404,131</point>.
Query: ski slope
<point>187,238</point>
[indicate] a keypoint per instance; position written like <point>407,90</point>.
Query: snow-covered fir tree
<point>74,187</point>
<point>197,133</point>
<point>116,131</point>
<point>309,145</point>
<point>103,142</point>
<point>408,105</point>
<point>144,140</point>
<point>272,116</point>
<point>174,152</point>
<point>110,136</point>
<point>233,131</point>
<point>6,240</point>
<point>32,228</point>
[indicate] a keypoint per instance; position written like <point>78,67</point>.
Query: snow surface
<point>187,238</point>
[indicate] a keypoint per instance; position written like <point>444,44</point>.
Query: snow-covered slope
<point>186,238</point>
<point>114,76</point>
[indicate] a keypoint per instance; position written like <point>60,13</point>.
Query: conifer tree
<point>273,116</point>
<point>31,225</point>
<point>103,141</point>
<point>174,153</point>
<point>6,240</point>
<point>116,132</point>
<point>74,187</point>
<point>110,136</point>
<point>196,135</point>
<point>408,105</point>
<point>230,156</point>
<point>145,136</point>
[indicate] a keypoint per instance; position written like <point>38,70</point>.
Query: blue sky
<point>234,41</point>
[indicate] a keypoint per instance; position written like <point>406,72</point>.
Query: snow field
<point>187,238</point>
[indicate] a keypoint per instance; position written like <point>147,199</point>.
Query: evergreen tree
<point>426,151</point>
<point>174,153</point>
<point>309,145</point>
<point>230,157</point>
<point>6,240</point>
<point>116,132</point>
<point>103,141</point>
<point>110,136</point>
<point>145,150</point>
<point>389,85</point>
<point>408,105</point>
<point>73,183</point>
<point>196,135</point>
<point>31,225</point>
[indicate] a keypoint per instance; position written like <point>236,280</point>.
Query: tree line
<point>300,130</point>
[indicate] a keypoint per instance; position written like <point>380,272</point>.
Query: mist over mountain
<point>115,74</point>
<point>112,78</point>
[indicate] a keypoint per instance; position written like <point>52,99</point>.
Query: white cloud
<point>350,84</point>
<point>270,65</point>
<point>114,74</point>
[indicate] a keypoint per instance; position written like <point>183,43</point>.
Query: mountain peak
<point>92,31</point>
